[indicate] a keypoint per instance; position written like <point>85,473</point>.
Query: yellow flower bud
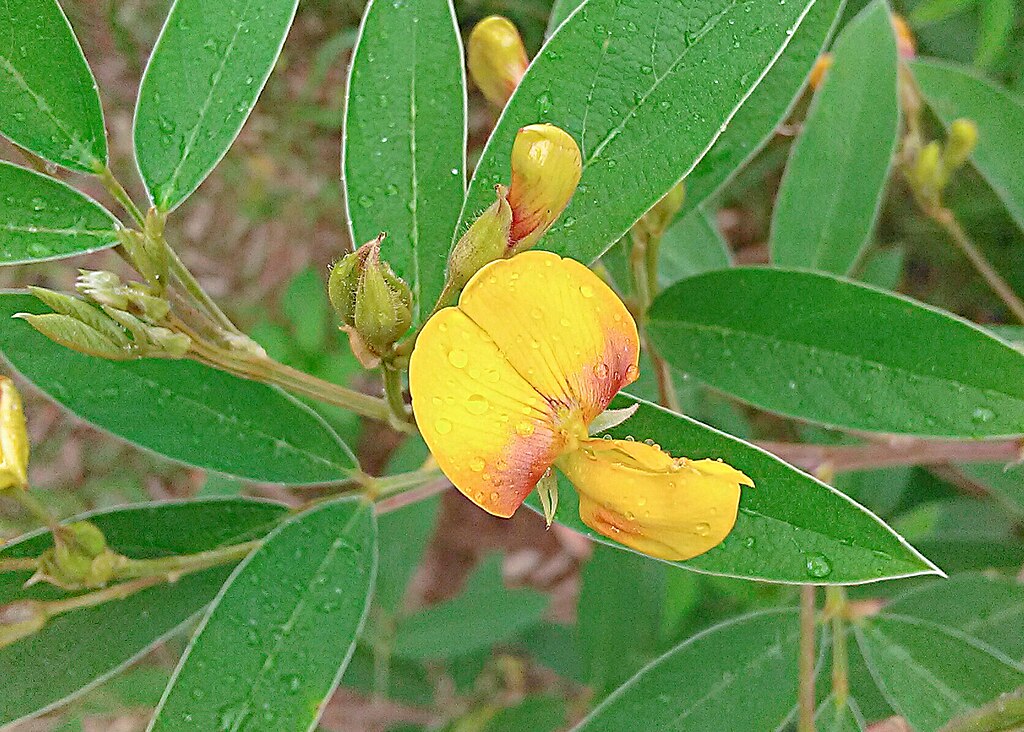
<point>963,138</point>
<point>926,175</point>
<point>497,58</point>
<point>661,214</point>
<point>546,168</point>
<point>14,447</point>
<point>821,67</point>
<point>905,42</point>
<point>486,240</point>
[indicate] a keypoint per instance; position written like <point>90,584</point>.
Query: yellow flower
<point>506,384</point>
<point>13,438</point>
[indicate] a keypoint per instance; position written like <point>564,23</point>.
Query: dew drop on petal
<point>443,426</point>
<point>586,290</point>
<point>702,529</point>
<point>458,358</point>
<point>601,371</point>
<point>477,404</point>
<point>477,464</point>
<point>524,428</point>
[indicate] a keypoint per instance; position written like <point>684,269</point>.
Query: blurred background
<point>578,620</point>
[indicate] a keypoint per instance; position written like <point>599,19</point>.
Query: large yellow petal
<point>637,495</point>
<point>490,431</point>
<point>560,327</point>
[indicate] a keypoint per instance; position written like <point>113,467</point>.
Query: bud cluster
<point>933,165</point>
<point>80,559</point>
<point>115,320</point>
<point>374,304</point>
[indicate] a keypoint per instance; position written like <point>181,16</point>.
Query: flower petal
<point>560,327</point>
<point>490,431</point>
<point>641,497</point>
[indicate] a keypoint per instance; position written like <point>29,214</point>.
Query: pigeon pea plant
<point>544,329</point>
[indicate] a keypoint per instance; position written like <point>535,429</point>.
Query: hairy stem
<point>896,451</point>
<point>945,218</point>
<point>114,187</point>
<point>835,604</point>
<point>805,701</point>
<point>171,567</point>
<point>394,393</point>
<point>1004,714</point>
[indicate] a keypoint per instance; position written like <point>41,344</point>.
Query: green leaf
<point>740,675</point>
<point>404,534</point>
<point>832,190</point>
<point>536,713</point>
<point>1005,481</point>
<point>953,92</point>
<point>78,650</point>
<point>641,88</point>
<point>966,554</point>
<point>934,11</point>
<point>204,75</point>
<point>306,306</point>
<point>42,218</point>
<point>47,92</point>
<point>988,608</point>
<point>690,246</point>
<point>767,107</point>
<point>560,10</point>
<point>180,409</point>
<point>404,152</point>
<point>277,638</point>
<point>618,615</point>
<point>884,268</point>
<point>994,29</point>
<point>484,614</point>
<point>836,352</point>
<point>791,527</point>
<point>931,673</point>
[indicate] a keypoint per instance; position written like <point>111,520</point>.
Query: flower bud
<point>106,288</point>
<point>80,559</point>
<point>546,168</point>
<point>374,304</point>
<point>821,67</point>
<point>21,619</point>
<point>14,445</point>
<point>963,138</point>
<point>497,58</point>
<point>485,241</point>
<point>906,45</point>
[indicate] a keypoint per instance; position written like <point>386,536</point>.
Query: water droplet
<point>702,529</point>
<point>477,404</point>
<point>477,464</point>
<point>586,290</point>
<point>365,201</point>
<point>494,496</point>
<point>458,358</point>
<point>632,372</point>
<point>749,542</point>
<point>982,415</point>
<point>601,371</point>
<point>443,426</point>
<point>818,566</point>
<point>524,428</point>
<point>38,204</point>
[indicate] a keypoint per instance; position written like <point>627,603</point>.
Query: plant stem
<point>19,564</point>
<point>895,452</point>
<point>169,567</point>
<point>269,371</point>
<point>32,505</point>
<point>394,393</point>
<point>409,497</point>
<point>92,599</point>
<point>1004,714</point>
<point>644,263</point>
<point>945,218</point>
<point>114,187</point>
<point>391,484</point>
<point>805,703</point>
<point>196,291</point>
<point>835,604</point>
